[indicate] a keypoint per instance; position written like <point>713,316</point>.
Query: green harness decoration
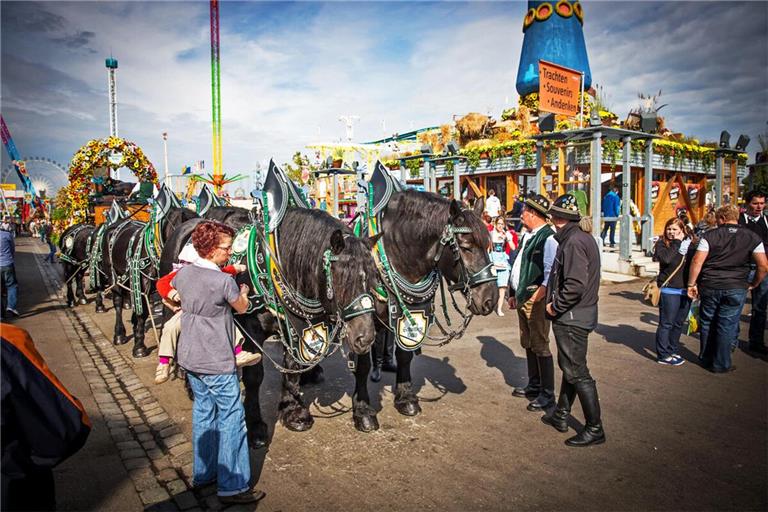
<point>66,252</point>
<point>404,297</point>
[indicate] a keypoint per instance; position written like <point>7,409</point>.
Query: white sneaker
<point>12,311</point>
<point>162,373</point>
<point>245,358</point>
<point>499,312</point>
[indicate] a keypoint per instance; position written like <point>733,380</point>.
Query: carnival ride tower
<point>216,95</point>
<point>111,63</point>
<point>554,33</point>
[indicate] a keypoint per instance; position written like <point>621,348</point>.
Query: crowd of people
<point>549,274</point>
<point>718,264</point>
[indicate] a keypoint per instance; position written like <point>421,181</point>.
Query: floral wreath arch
<point>112,152</point>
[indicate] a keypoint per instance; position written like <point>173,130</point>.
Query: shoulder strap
<point>682,262</point>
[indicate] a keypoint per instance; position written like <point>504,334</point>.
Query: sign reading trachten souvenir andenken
<point>558,89</point>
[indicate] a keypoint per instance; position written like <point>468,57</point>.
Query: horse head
<point>353,276</point>
<point>467,265</point>
<point>324,261</point>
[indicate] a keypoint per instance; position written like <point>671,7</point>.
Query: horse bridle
<point>360,305</point>
<point>467,279</point>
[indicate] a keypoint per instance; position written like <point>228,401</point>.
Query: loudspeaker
<point>742,143</point>
<point>648,122</point>
<point>546,122</point>
<point>725,139</point>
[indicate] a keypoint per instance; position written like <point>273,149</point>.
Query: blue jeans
<point>759,305</point>
<point>10,285</point>
<point>219,433</point>
<point>609,224</point>
<point>673,311</point>
<point>719,315</point>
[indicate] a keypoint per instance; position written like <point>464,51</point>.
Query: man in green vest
<point>527,285</point>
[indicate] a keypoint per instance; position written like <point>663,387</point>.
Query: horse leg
<point>117,304</point>
<point>313,376</point>
<point>406,401</point>
<point>80,288</point>
<point>362,413</point>
<point>138,322</point>
<point>293,413</point>
<point>253,377</point>
<point>68,280</point>
<point>258,433</point>
<point>100,302</point>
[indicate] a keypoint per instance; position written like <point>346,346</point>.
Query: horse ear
<point>337,242</point>
<point>455,210</point>
<point>479,207</point>
<point>375,238</point>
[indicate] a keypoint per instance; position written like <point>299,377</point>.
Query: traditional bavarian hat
<point>538,203</point>
<point>565,207</point>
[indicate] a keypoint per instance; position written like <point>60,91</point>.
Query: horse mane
<point>304,235</point>
<point>232,216</point>
<point>419,218</point>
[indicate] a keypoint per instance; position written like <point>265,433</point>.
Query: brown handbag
<point>652,291</point>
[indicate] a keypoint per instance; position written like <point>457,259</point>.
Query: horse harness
<point>411,306</point>
<point>307,330</point>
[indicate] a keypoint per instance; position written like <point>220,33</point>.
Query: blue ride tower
<point>553,32</point>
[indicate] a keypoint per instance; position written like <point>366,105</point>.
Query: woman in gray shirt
<point>206,352</point>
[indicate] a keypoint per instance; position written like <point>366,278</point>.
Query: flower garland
<point>95,154</point>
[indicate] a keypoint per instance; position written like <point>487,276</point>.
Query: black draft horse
<point>304,235</point>
<point>73,245</point>
<point>122,240</point>
<point>413,224</point>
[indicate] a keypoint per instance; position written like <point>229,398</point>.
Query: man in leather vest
<point>755,220</point>
<point>527,285</point>
<point>718,276</point>
<point>572,294</point>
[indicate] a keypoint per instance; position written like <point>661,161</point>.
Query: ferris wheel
<point>49,173</point>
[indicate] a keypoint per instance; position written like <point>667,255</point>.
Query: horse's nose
<point>487,306</point>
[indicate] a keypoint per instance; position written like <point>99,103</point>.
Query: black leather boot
<point>559,417</point>
<point>593,430</point>
<point>531,390</point>
<point>546,398</point>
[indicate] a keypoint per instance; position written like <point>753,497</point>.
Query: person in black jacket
<point>674,303</point>
<point>42,424</point>
<point>572,295</point>
<point>755,220</point>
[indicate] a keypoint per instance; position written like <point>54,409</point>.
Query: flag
<point>186,169</point>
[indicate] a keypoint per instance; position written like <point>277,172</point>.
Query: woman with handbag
<point>671,253</point>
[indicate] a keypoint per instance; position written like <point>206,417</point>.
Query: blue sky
<point>290,69</point>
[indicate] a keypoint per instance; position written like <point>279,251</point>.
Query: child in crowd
<point>172,328</point>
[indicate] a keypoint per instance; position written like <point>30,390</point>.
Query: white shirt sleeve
<point>550,249</point>
<point>760,249</point>
<point>684,245</point>
<point>703,246</point>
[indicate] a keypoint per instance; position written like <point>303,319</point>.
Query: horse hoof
<point>82,302</point>
<point>297,420</point>
<point>120,339</point>
<point>140,351</point>
<point>367,423</point>
<point>408,408</point>
<point>101,309</point>
<point>406,401</point>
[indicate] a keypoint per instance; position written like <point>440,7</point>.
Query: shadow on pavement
<point>498,355</point>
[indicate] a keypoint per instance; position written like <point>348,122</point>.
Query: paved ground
<point>678,438</point>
